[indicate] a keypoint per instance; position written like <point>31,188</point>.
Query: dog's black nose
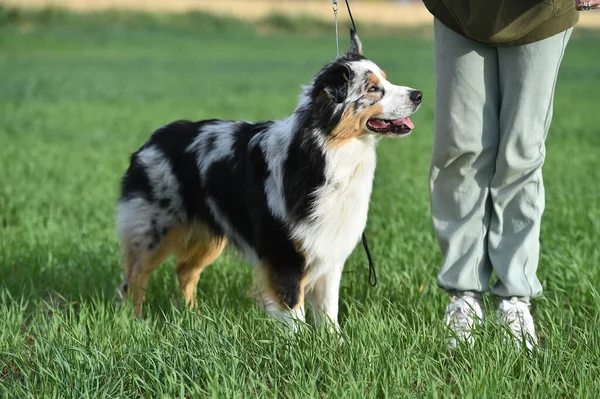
<point>416,96</point>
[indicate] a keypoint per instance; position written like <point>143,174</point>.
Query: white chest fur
<point>341,207</point>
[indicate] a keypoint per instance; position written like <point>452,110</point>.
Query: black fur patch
<point>330,91</point>
<point>156,235</point>
<point>174,140</point>
<point>135,182</point>
<point>210,142</point>
<point>164,202</point>
<point>304,173</point>
<point>234,185</point>
<point>237,185</point>
<point>334,78</point>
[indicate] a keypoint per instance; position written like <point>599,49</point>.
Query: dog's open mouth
<point>390,126</point>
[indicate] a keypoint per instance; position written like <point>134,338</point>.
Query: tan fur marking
<point>301,295</point>
<point>383,73</point>
<point>373,80</point>
<point>264,290</point>
<point>194,247</point>
<point>299,246</point>
<point>191,259</point>
<point>352,125</point>
<point>140,268</point>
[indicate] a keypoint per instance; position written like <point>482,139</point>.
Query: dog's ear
<point>355,44</point>
<point>335,82</point>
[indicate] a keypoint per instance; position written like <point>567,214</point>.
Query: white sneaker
<point>463,314</point>
<point>515,314</point>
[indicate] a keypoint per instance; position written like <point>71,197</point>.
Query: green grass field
<point>78,94</point>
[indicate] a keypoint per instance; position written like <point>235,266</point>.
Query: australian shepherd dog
<point>291,195</point>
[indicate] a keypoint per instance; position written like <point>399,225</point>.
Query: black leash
<point>372,272</point>
<point>350,14</point>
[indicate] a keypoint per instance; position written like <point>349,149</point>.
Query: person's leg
<point>462,165</point>
<point>527,79</point>
<point>464,153</point>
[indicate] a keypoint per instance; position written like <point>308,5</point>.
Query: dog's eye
<point>373,89</point>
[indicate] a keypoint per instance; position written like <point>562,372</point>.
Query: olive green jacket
<point>505,22</point>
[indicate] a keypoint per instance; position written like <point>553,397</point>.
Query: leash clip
<point>335,8</point>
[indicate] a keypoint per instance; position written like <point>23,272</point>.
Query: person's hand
<point>584,5</point>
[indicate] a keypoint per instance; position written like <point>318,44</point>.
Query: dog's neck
<point>340,202</point>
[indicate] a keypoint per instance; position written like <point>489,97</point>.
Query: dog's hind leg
<point>139,264</point>
<point>128,259</point>
<point>193,257</point>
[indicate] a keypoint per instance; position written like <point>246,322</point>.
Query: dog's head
<point>352,98</point>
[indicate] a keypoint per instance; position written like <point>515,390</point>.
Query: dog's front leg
<point>324,299</point>
<point>291,318</point>
<point>281,293</point>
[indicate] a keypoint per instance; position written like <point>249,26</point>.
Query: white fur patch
<point>160,173</point>
<point>339,215</point>
<point>396,102</point>
<point>133,223</point>
<point>140,222</point>
<point>221,133</point>
<point>323,296</point>
<point>275,150</point>
<point>292,318</point>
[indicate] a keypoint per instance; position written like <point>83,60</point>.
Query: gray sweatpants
<point>493,108</point>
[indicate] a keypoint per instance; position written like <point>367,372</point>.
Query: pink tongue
<point>404,121</point>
